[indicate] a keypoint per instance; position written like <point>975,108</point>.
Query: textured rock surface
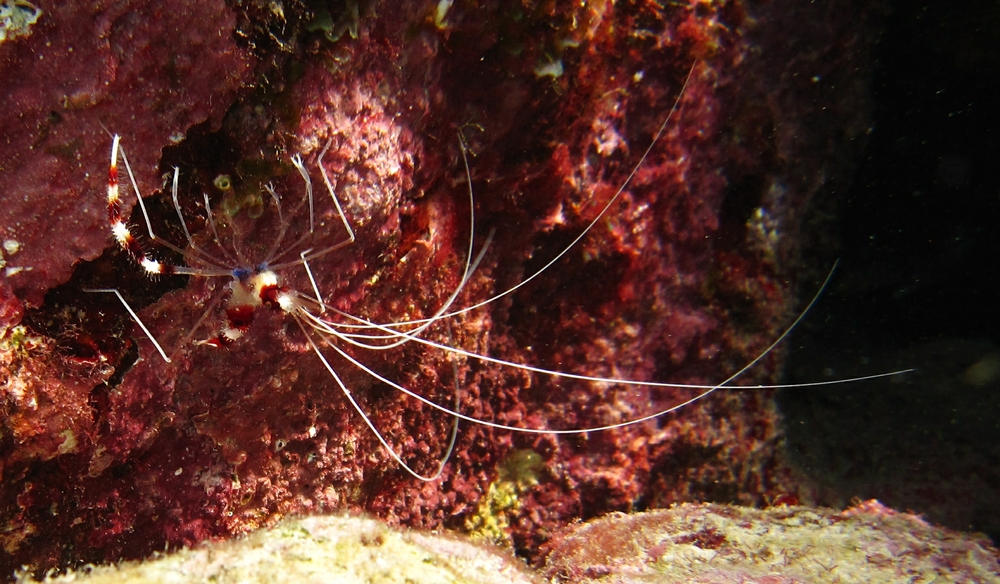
<point>690,543</point>
<point>715,544</point>
<point>324,549</point>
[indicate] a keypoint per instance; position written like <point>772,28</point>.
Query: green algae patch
<point>338,548</point>
<point>518,473</point>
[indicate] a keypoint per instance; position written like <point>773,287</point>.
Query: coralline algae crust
<point>219,443</point>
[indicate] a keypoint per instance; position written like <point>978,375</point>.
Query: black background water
<point>919,230</point>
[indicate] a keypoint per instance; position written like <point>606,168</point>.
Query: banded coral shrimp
<point>261,429</point>
<point>324,327</point>
<point>238,422</point>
